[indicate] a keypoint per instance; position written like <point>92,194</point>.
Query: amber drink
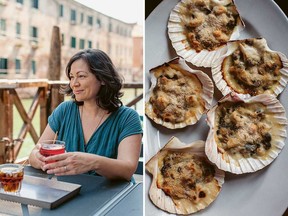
<point>11,176</point>
<point>52,147</point>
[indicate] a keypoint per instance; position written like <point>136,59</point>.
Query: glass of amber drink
<point>52,147</point>
<point>11,176</point>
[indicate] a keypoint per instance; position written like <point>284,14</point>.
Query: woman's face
<point>84,84</point>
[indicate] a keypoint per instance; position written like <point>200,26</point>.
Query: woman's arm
<point>79,162</point>
<point>127,160</point>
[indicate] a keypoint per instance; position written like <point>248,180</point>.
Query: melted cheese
<point>183,175</point>
<point>176,97</point>
<point>245,130</point>
<point>252,69</point>
<point>209,24</point>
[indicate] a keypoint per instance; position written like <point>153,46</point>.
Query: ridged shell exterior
<point>164,202</point>
<point>207,95</point>
<point>221,83</point>
<point>246,165</point>
<point>181,45</point>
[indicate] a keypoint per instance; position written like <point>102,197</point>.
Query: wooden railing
<point>46,98</point>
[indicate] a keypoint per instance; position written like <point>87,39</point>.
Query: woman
<point>102,136</point>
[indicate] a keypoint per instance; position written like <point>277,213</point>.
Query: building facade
<point>26,31</point>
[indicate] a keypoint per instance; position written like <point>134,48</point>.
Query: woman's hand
<point>70,163</point>
<point>36,159</point>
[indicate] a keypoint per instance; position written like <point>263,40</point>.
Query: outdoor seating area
<point>68,56</point>
<point>110,196</point>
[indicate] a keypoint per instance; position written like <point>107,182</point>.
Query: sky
<point>129,11</point>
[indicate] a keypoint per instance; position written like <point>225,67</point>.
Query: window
<point>90,20</point>
<point>73,42</point>
<point>81,44</point>
<point>98,23</point>
<point>17,66</point>
<point>62,39</point>
<point>89,44</point>
<point>82,17</point>
<point>73,16</point>
<point>61,10</point>
<point>34,4</point>
<point>33,67</point>
<point>2,26</point>
<point>3,65</point>
<point>19,1</point>
<point>34,33</point>
<point>110,27</point>
<point>18,30</point>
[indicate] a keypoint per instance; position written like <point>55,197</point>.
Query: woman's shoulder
<point>66,106</point>
<point>125,109</point>
<point>126,112</point>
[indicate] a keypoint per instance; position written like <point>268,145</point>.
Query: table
<point>98,196</point>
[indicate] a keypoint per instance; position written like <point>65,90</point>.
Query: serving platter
<point>41,192</point>
<point>264,192</point>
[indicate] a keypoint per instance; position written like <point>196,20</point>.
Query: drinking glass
<point>52,147</point>
<point>11,176</point>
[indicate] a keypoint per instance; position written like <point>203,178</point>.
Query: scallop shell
<point>226,161</point>
<point>176,33</point>
<point>225,88</point>
<point>206,95</point>
<point>164,202</point>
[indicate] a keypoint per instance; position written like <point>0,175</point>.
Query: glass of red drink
<point>11,176</point>
<point>52,147</point>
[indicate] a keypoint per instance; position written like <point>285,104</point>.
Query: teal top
<point>105,140</point>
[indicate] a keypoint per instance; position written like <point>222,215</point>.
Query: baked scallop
<point>178,95</point>
<point>251,68</point>
<point>200,29</point>
<point>184,180</point>
<point>246,134</point>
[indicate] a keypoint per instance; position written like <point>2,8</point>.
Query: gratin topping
<point>177,94</point>
<point>251,68</point>
<point>209,24</point>
<point>184,175</point>
<point>244,129</point>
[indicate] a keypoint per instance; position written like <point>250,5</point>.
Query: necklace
<point>98,124</point>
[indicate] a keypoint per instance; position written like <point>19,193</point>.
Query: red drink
<point>50,148</point>
<point>11,176</point>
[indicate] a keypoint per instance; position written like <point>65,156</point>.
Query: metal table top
<point>97,197</point>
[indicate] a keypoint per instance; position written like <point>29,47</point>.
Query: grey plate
<point>42,192</point>
<point>262,193</point>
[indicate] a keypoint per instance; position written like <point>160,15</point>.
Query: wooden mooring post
<point>54,70</point>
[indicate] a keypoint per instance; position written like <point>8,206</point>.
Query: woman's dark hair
<point>102,67</point>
